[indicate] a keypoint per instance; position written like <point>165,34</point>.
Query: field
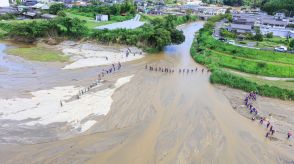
<point>266,63</point>
<point>91,23</point>
<point>38,54</point>
<point>221,57</point>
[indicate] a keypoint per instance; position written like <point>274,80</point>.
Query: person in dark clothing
<point>261,121</point>
<point>271,128</point>
<point>289,135</point>
<point>268,124</point>
<point>267,134</point>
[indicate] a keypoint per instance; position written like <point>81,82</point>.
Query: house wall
<point>4,3</point>
<point>278,32</point>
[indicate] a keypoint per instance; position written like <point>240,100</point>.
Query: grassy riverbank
<point>218,55</point>
<point>38,54</point>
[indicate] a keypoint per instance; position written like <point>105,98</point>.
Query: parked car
<point>281,49</point>
<point>231,42</point>
<point>222,39</point>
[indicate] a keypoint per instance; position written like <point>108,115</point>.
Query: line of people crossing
<point>111,69</point>
<point>172,70</point>
<point>249,99</point>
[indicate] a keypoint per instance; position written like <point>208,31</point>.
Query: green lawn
<point>278,83</point>
<point>267,42</point>
<point>285,84</point>
<point>252,66</point>
<point>38,54</point>
<point>146,18</point>
<point>91,23</point>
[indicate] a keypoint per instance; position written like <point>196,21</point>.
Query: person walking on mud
<point>261,121</point>
<point>267,134</point>
<point>289,135</point>
<point>268,124</point>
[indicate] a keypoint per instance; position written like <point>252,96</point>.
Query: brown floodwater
<point>160,118</point>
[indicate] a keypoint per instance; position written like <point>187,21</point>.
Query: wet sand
<point>162,118</point>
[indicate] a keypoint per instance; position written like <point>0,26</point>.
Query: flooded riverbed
<point>157,118</point>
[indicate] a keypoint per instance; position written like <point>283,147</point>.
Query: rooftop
<point>241,26</point>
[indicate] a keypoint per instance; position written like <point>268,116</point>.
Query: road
<point>162,118</point>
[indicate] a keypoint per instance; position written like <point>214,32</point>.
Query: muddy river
<point>155,118</point>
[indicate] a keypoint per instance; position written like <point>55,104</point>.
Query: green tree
<point>269,35</point>
<point>258,36</point>
<point>291,44</point>
<point>61,13</point>
<point>177,36</point>
<point>55,8</point>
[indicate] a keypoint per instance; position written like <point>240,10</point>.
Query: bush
<point>225,78</point>
<point>154,36</point>
<point>55,8</point>
<point>61,14</point>
<point>227,34</point>
<point>291,44</point>
<point>7,16</point>
<point>269,35</point>
<point>60,26</point>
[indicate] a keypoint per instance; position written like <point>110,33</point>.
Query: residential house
<point>272,23</point>
<point>4,3</point>
<point>30,2</point>
<point>241,28</point>
<point>41,6</point>
<point>101,18</point>
<point>278,24</point>
<point>280,16</point>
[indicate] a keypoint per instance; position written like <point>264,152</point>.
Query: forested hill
<point>270,6</point>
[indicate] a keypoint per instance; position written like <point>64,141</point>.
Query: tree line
<point>57,27</point>
<point>152,36</point>
<point>115,9</point>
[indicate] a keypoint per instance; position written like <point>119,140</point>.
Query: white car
<point>231,42</point>
<point>281,49</point>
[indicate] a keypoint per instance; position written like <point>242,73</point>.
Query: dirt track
<point>162,118</point>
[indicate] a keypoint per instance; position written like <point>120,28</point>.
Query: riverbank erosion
<point>160,117</point>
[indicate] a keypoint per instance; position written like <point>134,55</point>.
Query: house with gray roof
<point>272,23</point>
<point>241,28</point>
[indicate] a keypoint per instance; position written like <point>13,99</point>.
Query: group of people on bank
<point>249,99</point>
<point>172,70</point>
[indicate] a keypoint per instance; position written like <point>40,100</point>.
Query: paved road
<point>162,118</point>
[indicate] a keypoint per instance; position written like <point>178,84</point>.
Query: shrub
<point>269,35</point>
<point>55,8</point>
<point>235,81</point>
<point>291,44</point>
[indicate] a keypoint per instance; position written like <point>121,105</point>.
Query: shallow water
<point>8,64</point>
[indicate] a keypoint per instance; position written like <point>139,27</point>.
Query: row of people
<point>249,99</point>
<point>110,70</point>
<point>170,70</point>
